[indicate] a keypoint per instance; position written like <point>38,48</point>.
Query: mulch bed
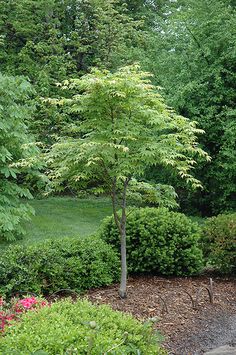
<point>169,301</point>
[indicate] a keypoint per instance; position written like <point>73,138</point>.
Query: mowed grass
<point>58,217</point>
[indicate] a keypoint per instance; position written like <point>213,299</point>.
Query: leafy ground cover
<point>58,217</point>
<point>77,328</point>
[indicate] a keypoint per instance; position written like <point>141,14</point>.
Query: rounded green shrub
<point>219,242</point>
<point>79,328</point>
<point>43,268</point>
<point>158,241</point>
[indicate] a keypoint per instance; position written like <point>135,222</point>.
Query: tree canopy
<point>188,46</point>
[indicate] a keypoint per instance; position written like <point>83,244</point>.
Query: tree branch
<point>198,44</point>
<point>113,198</point>
<point>124,198</point>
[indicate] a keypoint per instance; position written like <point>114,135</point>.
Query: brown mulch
<point>168,300</point>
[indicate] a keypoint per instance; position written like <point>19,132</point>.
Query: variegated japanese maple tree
<point>124,127</point>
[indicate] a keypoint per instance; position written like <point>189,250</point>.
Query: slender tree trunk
<point>123,279</point>
<point>121,225</point>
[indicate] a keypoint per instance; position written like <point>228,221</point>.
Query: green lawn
<point>57,217</point>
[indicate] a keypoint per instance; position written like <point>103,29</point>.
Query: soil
<point>181,309</point>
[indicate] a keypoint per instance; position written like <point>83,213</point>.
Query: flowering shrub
<point>11,312</point>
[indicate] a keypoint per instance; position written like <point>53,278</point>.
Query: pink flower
<point>7,315</point>
<point>27,303</point>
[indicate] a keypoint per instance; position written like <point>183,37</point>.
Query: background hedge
<point>46,267</point>
<point>219,242</point>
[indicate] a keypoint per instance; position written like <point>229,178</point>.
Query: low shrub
<point>79,328</point>
<point>158,241</point>
<point>43,268</point>
<point>219,242</point>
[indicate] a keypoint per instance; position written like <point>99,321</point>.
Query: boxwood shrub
<point>43,268</point>
<point>79,328</point>
<point>158,241</point>
<point>219,242</point>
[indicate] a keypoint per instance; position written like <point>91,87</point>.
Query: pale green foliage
<point>125,127</point>
<point>143,193</point>
<point>14,146</point>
